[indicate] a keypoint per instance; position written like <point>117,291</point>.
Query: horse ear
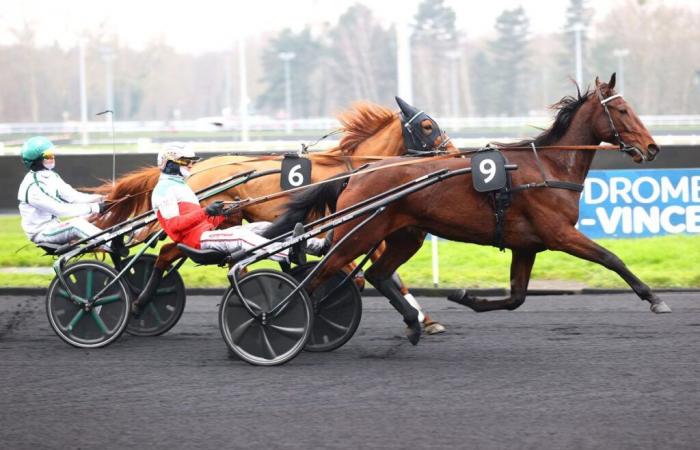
<point>407,110</point>
<point>611,83</point>
<point>597,81</point>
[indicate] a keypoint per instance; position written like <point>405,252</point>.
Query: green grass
<point>669,261</point>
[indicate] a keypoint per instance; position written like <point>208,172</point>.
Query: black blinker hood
<point>414,138</point>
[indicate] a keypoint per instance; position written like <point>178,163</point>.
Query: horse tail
<point>130,194</point>
<point>314,200</point>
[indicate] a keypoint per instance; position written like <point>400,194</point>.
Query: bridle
<point>413,136</point>
<point>624,147</point>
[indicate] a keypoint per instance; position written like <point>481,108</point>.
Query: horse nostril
<point>653,150</point>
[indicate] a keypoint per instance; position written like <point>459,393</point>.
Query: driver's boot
<point>318,246</point>
<point>297,252</point>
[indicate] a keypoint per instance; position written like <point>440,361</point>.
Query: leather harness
<point>501,199</point>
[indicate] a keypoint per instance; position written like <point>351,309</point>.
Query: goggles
<point>48,154</point>
<point>186,161</point>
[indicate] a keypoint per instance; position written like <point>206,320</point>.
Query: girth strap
<point>545,182</point>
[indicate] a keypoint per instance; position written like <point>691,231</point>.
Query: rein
<point>235,205</point>
<point>347,158</point>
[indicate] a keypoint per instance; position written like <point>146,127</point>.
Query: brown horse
<point>538,218</point>
<point>369,131</point>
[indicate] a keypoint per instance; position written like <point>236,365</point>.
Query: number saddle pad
<point>489,171</point>
<point>296,171</point>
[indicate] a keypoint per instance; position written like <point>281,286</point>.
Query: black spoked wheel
<point>164,310</point>
<point>266,339</point>
<point>80,323</point>
<point>337,310</point>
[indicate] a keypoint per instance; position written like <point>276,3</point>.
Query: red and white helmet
<point>178,152</point>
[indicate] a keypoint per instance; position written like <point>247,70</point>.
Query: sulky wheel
<point>266,339</point>
<point>167,304</point>
<point>80,323</point>
<point>336,316</point>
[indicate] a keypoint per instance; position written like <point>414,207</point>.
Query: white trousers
<point>244,237</point>
<point>65,232</point>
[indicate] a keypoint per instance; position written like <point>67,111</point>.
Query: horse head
<point>421,133</point>
<point>618,124</point>
<point>371,129</point>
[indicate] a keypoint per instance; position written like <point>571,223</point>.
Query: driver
<point>44,197</point>
<point>185,221</point>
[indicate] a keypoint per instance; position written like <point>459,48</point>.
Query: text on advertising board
<point>637,203</point>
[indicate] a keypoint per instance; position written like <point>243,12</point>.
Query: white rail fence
<point>324,123</point>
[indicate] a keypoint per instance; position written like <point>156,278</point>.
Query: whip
<point>114,149</point>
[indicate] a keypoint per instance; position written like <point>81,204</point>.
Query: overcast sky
<point>209,25</point>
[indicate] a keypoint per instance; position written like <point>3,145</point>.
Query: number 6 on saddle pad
<point>489,171</point>
<point>296,171</point>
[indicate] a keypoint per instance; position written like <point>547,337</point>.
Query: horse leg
<point>359,278</point>
<point>401,245</point>
<point>168,253</point>
<point>430,326</point>
<point>575,243</point>
<point>520,270</point>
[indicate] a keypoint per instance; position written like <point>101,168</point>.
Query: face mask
<point>184,171</point>
<point>49,164</point>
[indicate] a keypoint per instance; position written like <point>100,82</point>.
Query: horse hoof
<point>457,296</point>
<point>413,332</point>
<point>434,328</point>
<point>660,308</point>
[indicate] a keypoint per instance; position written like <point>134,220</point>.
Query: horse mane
<point>136,185</point>
<point>566,109</point>
<point>360,121</point>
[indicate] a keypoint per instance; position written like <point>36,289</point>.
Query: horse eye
<point>622,109</point>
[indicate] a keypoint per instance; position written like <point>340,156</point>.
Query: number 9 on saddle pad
<point>489,171</point>
<point>296,171</point>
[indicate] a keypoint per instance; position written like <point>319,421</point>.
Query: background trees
<point>507,72</point>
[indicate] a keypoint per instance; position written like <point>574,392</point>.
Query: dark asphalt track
<point>563,373</point>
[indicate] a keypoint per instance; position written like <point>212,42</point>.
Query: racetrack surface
<point>562,372</point>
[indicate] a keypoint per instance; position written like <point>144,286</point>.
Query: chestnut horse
<point>538,219</point>
<point>369,131</point>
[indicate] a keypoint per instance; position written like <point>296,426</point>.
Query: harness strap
<point>564,185</point>
<point>538,162</point>
<point>501,201</point>
<point>546,182</point>
<point>612,97</point>
<point>549,184</point>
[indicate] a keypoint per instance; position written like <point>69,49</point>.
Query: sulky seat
<point>203,256</point>
<point>49,247</point>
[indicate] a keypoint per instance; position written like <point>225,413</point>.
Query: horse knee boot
<point>410,314</point>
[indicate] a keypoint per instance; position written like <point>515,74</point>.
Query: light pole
<point>83,92</point>
<point>577,28</point>
<point>226,110</point>
<point>286,57</point>
<point>454,56</point>
<point>403,60</point>
<point>620,54</point>
<point>243,79</point>
<point>107,57</point>
<point>696,80</point>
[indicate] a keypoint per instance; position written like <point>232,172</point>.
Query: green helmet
<point>34,148</point>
